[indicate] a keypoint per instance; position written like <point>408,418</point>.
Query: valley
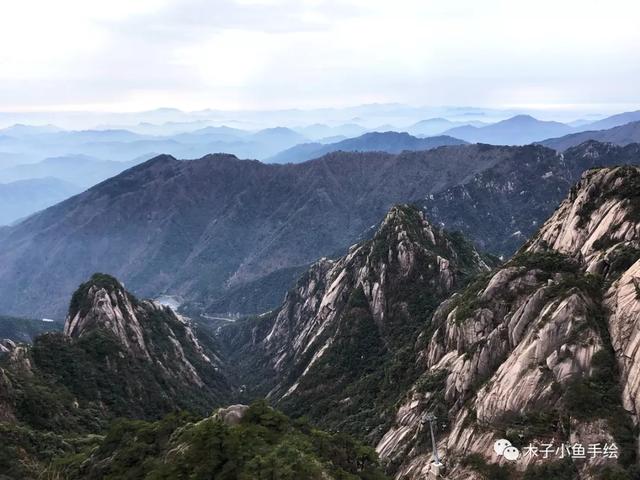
<point>411,321</point>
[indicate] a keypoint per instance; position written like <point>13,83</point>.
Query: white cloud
<point>297,53</point>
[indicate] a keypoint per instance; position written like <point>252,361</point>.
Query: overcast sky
<point>261,54</point>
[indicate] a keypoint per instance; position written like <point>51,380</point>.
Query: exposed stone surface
<point>376,292</point>
<point>103,303</point>
<point>513,343</point>
<point>232,415</point>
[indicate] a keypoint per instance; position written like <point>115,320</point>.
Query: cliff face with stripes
<point>543,350</point>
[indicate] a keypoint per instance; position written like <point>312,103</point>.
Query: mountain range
<point>204,228</point>
<point>539,351</point>
<point>230,235</point>
<point>411,322</point>
<point>502,206</point>
<point>618,135</point>
<point>84,171</point>
<point>518,130</point>
<point>23,197</point>
<point>390,142</point>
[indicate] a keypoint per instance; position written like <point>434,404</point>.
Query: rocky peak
<point>348,319</point>
<point>103,303</point>
<point>601,212</point>
<point>143,328</point>
<point>7,346</point>
<point>128,356</point>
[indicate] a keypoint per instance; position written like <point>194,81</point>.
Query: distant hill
<point>436,126</point>
<point>81,170</point>
<point>622,135</point>
<point>518,130</point>
<point>391,142</point>
<point>319,131</point>
<point>22,198</point>
<point>615,120</point>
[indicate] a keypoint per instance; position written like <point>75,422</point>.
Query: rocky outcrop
<point>231,415</point>
<point>349,319</point>
<point>118,356</point>
<point>7,346</point>
<point>143,328</point>
<point>514,351</point>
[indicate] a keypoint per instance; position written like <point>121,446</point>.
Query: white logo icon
<point>504,449</point>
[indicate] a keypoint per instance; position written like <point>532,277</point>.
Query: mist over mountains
<point>391,142</point>
<point>86,157</point>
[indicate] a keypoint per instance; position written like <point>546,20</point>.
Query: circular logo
<point>500,446</point>
<point>511,453</point>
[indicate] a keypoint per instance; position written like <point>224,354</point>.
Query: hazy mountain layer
<point>390,142</point>
<point>518,130</point>
<point>21,198</point>
<point>79,170</point>
<point>620,135</point>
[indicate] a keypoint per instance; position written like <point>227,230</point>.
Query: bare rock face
<point>601,212</point>
<point>233,414</point>
<point>623,302</point>
<point>517,348</point>
<point>7,346</point>
<point>348,318</point>
<point>104,303</point>
<point>140,326</point>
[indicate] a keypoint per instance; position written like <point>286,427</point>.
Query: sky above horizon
<point>266,54</point>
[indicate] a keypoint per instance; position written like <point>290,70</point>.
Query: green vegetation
<point>489,471</point>
<point>95,370</point>
<point>264,445</point>
<point>350,384</point>
<point>523,427</point>
<point>564,470</point>
<point>23,451</point>
<point>549,261</point>
<point>469,300</point>
<point>598,396</point>
<point>622,258</point>
<point>80,298</point>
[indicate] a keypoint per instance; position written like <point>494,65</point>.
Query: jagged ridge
<point>551,333</point>
<point>339,348</point>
